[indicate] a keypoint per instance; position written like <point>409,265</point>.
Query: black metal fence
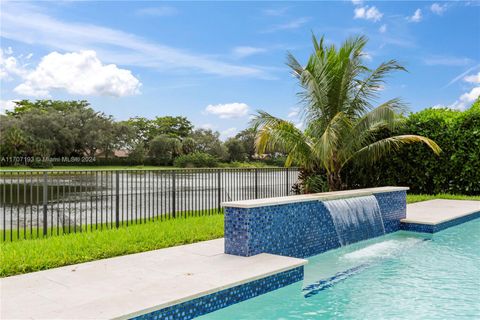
<point>44,203</point>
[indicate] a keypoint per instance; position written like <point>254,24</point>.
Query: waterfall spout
<point>356,219</point>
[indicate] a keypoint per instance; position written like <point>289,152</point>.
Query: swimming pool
<point>403,275</point>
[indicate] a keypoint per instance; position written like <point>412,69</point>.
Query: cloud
<point>157,11</point>
<point>469,97</point>
<point>294,112</point>
<point>367,13</point>
<point>447,61</point>
<point>228,110</point>
<point>438,8</point>
<point>417,16</point>
<point>10,67</point>
<point>275,12</point>
<point>383,28</point>
<point>23,23</point>
<point>462,75</point>
<point>293,24</point>
<point>357,2</point>
<point>228,133</point>
<point>245,51</point>
<point>474,78</point>
<point>6,105</point>
<point>80,73</point>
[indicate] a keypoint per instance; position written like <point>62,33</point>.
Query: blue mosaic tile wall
<point>301,229</point>
<point>393,206</point>
<point>427,228</point>
<point>221,299</point>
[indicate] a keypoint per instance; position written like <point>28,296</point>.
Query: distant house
<point>118,153</point>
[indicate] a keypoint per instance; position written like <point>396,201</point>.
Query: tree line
<point>55,128</point>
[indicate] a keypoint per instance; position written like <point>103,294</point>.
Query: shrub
<point>196,160</point>
<point>455,170</point>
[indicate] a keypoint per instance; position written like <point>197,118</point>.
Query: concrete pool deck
<point>439,211</point>
<point>126,286</point>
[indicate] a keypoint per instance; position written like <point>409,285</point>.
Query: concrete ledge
<point>132,285</point>
<point>324,196</point>
<point>437,215</point>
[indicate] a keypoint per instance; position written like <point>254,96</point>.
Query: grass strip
<point>33,255</point>
<point>412,198</point>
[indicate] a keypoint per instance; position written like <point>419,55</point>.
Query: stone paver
<point>134,284</point>
<point>439,210</point>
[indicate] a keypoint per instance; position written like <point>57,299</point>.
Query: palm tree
<point>339,120</point>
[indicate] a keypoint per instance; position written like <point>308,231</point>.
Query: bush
<point>196,160</point>
<point>456,170</point>
<point>39,164</point>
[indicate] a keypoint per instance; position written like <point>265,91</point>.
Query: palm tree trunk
<point>334,181</point>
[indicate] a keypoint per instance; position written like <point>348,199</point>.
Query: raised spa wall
<point>299,226</point>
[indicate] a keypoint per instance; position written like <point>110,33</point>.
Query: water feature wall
<point>306,225</point>
<point>356,219</point>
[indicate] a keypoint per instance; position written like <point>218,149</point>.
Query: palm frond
<point>375,151</point>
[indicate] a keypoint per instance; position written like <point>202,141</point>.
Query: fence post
<point>287,182</point>
<point>256,183</point>
<point>174,196</point>
<point>45,202</point>
<point>117,198</point>
<point>219,190</point>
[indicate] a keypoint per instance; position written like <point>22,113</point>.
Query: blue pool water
<point>402,275</point>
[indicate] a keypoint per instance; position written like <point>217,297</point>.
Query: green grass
<point>411,198</point>
<point>33,255</point>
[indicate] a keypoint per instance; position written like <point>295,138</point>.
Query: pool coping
<point>324,196</point>
<point>137,284</point>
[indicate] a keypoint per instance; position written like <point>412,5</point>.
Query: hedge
<point>456,170</point>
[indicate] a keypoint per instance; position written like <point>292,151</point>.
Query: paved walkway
<point>438,211</point>
<point>126,286</point>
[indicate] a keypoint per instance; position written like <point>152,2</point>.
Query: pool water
<point>403,275</point>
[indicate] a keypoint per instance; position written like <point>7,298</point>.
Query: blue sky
<point>218,62</point>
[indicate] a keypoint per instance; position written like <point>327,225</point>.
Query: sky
<point>217,63</point>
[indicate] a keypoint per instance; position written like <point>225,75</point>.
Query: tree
<point>208,141</point>
<point>179,127</point>
<point>164,148</point>
<point>247,138</point>
<point>236,150</point>
<point>340,121</point>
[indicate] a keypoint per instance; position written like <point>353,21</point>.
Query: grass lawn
<point>40,254</point>
<point>411,198</point>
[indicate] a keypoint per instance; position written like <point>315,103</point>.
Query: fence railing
<point>44,203</point>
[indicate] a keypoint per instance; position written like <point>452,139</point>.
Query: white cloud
<point>206,126</point>
<point>438,8</point>
<point>474,78</point>
<point>293,24</point>
<point>228,133</point>
<point>6,105</point>
<point>228,110</point>
<point>24,23</point>
<point>80,73</point>
<point>437,60</point>
<point>357,2</point>
<point>367,13</point>
<point>469,97</point>
<point>417,16</point>
<point>294,112</point>
<point>245,51</point>
<point>275,12</point>
<point>462,75</point>
<point>383,28</point>
<point>466,99</point>
<point>10,67</point>
<point>157,11</point>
